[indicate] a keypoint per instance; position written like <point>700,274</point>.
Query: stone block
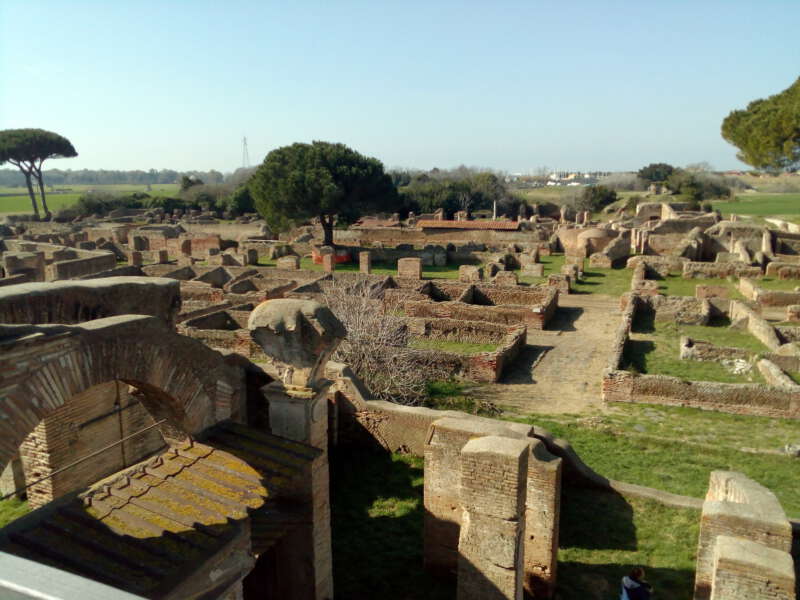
<point>329,262</point>
<point>365,262</point>
<point>533,270</point>
<point>506,278</point>
<point>711,291</point>
<point>793,313</point>
<point>288,263</point>
<point>470,274</point>
<point>163,257</point>
<point>135,258</point>
<point>409,268</point>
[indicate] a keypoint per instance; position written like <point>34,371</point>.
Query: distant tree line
<point>57,177</point>
<point>460,189</point>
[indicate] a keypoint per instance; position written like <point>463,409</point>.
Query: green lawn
<point>12,509</point>
<point>16,200</point>
<point>613,282</point>
<point>675,285</point>
<point>675,448</point>
<point>451,346</point>
<point>22,204</point>
<point>772,283</point>
<point>653,348</point>
<point>783,206</point>
<point>377,516</point>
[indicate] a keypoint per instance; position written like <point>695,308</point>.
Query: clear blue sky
<point>508,85</point>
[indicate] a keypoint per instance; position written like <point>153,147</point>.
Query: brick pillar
<point>135,258</point>
<point>163,257</point>
<point>365,262</point>
<point>304,557</point>
<point>494,471</point>
<point>745,570</point>
<point>328,263</point>
<point>542,511</point>
<point>409,268</point>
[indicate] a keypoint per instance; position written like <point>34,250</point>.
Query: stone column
<point>298,337</point>
<point>365,262</point>
<point>542,512</point>
<point>493,489</point>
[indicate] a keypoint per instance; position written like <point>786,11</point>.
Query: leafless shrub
<point>376,347</point>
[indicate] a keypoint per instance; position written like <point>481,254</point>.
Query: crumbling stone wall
<point>738,510</point>
<point>736,398</point>
<point>704,270</point>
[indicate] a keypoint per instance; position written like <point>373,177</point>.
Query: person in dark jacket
<point>634,587</point>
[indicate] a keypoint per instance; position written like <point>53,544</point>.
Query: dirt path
<point>561,369</point>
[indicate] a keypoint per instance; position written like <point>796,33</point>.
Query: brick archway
<point>42,366</point>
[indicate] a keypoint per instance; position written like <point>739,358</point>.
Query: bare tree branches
<point>376,347</point>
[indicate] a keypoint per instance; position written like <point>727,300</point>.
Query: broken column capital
<point>298,337</point>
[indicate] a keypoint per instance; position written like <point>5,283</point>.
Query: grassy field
<point>16,200</point>
<point>675,285</point>
<point>451,346</point>
<point>377,517</point>
<point>595,280</point>
<point>11,509</point>
<point>653,348</point>
<point>782,206</point>
<point>675,448</point>
<point>771,283</point>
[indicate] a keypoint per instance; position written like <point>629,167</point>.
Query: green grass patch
<point>22,203</point>
<point>783,206</point>
<point>376,520</point>
<point>654,348</point>
<point>377,523</point>
<point>603,536</point>
<point>613,282</point>
<point>451,346</point>
<point>772,283</point>
<point>676,448</point>
<point>675,285</point>
<point>12,509</point>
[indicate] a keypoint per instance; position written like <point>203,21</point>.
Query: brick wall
<point>86,423</point>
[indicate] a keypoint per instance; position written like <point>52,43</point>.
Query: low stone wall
<point>621,335</point>
<point>704,270</point>
<point>691,349</point>
<point>486,367</point>
<point>764,297</point>
<point>534,318</point>
<point>81,267</point>
<point>742,315</point>
<point>459,331</point>
<point>681,309</point>
<point>743,552</point>
<point>660,265</point>
<point>745,399</point>
<point>239,341</point>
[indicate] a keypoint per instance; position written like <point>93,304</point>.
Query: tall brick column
<point>494,471</point>
<point>365,262</point>
<point>542,513</point>
<point>298,337</point>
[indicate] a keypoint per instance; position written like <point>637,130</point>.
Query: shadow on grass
<point>635,354</point>
<point>596,519</point>
<point>601,522</point>
<point>584,581</point>
<point>377,525</point>
<point>586,281</point>
<point>644,322</point>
